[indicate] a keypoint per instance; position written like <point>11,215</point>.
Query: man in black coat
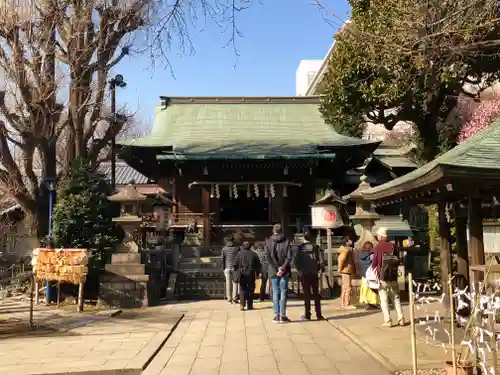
<point>247,266</point>
<point>279,252</point>
<point>309,261</point>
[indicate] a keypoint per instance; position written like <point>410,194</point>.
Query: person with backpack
<point>279,256</point>
<point>228,255</point>
<point>309,261</point>
<point>386,265</point>
<point>247,266</point>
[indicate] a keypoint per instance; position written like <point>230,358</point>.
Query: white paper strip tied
<point>235,191</point>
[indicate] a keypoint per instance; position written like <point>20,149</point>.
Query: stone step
<point>114,278</point>
<point>126,269</point>
<point>200,260</point>
<point>197,265</point>
<point>200,284</point>
<point>124,285</point>
<point>191,251</point>
<point>130,258</point>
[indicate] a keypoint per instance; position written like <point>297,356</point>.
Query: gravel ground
<point>427,371</point>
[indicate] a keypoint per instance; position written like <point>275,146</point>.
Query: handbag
<point>372,279</point>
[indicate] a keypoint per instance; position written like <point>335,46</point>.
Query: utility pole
<point>117,81</point>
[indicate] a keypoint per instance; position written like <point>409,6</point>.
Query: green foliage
<point>396,61</point>
<point>82,217</point>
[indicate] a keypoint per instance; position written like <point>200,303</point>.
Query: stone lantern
<point>365,217</point>
<point>130,200</point>
<point>125,282</point>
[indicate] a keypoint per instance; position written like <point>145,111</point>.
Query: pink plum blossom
<point>484,114</point>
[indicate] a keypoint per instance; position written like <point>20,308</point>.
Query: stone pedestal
<point>124,283</point>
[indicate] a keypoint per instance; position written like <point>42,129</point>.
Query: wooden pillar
<point>476,244</point>
<point>285,215</point>
<point>205,199</point>
<point>444,252</point>
<point>461,246</point>
<point>175,209</point>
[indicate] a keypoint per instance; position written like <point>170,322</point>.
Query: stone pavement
<point>214,338</point>
<point>391,346</point>
<point>88,343</point>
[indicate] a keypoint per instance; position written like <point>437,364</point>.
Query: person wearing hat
<point>346,267</point>
<point>386,265</point>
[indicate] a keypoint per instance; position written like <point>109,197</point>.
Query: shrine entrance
<point>243,207</point>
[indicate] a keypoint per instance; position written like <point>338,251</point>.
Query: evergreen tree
<point>82,217</point>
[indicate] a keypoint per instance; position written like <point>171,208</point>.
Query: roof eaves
<point>166,101</point>
<point>404,184</point>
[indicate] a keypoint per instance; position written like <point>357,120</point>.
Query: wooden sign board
<point>491,237</point>
<point>63,265</point>
<point>326,217</point>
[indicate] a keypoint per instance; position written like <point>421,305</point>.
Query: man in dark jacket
<point>228,255</point>
<point>309,261</point>
<point>279,252</point>
<point>247,266</point>
<point>264,276</point>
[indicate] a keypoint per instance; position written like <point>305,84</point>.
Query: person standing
<point>386,265</point>
<point>279,252</point>
<point>309,261</point>
<point>264,276</point>
<point>228,255</point>
<point>247,266</point>
<point>346,267</point>
<point>367,296</point>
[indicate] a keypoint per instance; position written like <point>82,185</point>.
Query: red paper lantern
<point>330,215</point>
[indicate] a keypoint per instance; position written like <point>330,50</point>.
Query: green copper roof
<point>251,127</point>
<point>253,156</point>
<point>480,153</point>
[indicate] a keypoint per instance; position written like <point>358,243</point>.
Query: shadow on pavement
<point>17,328</point>
<point>353,315</point>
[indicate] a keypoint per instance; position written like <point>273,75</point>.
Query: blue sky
<point>277,34</point>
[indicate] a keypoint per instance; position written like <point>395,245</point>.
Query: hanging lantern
<point>271,189</point>
<point>249,191</point>
<point>217,191</point>
<point>230,192</point>
<point>285,191</point>
<point>256,190</point>
<point>235,191</point>
<point>266,191</point>
<point>180,171</point>
<point>205,170</point>
<point>211,191</point>
<point>285,170</point>
<point>310,171</point>
<point>447,212</point>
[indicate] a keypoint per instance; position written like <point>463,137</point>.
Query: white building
<point>305,74</point>
<point>309,76</point>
